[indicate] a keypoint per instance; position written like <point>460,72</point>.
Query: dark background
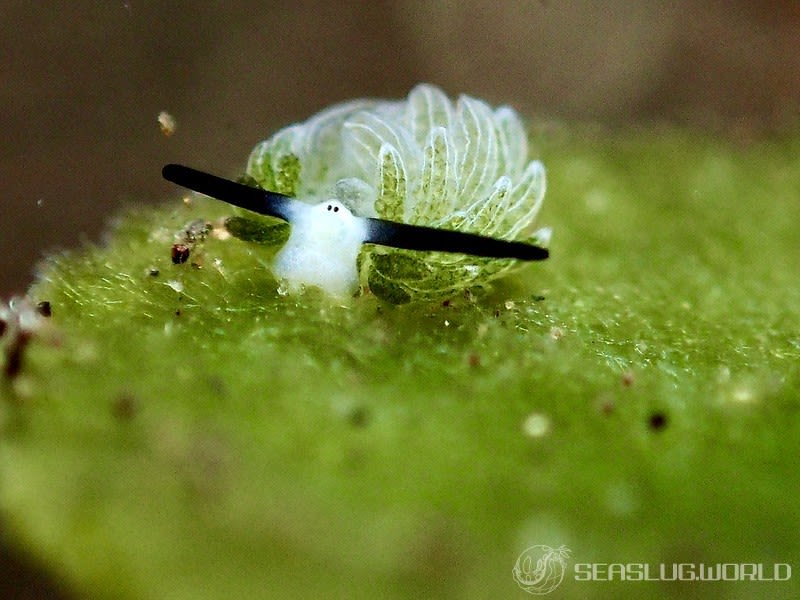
<point>82,83</point>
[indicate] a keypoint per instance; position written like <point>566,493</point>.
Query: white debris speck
<point>536,425</point>
<point>175,285</point>
<point>167,123</point>
<point>543,236</point>
<point>220,233</point>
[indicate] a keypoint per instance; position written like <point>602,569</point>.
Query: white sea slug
<point>361,169</point>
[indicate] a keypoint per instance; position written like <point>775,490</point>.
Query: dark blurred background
<point>82,84</point>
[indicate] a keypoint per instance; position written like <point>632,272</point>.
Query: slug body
<point>326,238</point>
<point>414,199</point>
<point>427,161</point>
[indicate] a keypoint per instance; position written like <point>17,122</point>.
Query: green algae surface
<point>185,431</point>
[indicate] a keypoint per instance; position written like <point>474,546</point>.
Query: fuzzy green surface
<point>196,435</point>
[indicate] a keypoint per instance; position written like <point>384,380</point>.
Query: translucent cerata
<point>424,160</point>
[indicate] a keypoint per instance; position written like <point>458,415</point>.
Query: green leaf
<point>185,431</point>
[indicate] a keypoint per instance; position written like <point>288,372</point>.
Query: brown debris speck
<point>180,254</point>
<point>20,321</point>
<point>14,353</point>
<point>628,378</point>
<point>124,407</point>
<point>657,421</point>
<point>606,406</point>
<point>44,308</point>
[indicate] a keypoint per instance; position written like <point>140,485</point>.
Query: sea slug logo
<point>540,569</point>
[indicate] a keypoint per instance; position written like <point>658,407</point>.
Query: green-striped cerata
<point>414,199</point>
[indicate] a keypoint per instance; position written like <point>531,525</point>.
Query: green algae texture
<point>187,431</point>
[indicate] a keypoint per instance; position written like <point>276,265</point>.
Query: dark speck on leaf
<point>217,385</point>
<point>358,416</point>
<point>44,308</point>
<point>124,407</point>
<point>154,272</point>
<point>3,326</point>
<point>657,421</point>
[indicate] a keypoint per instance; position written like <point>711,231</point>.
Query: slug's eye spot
<point>335,208</point>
